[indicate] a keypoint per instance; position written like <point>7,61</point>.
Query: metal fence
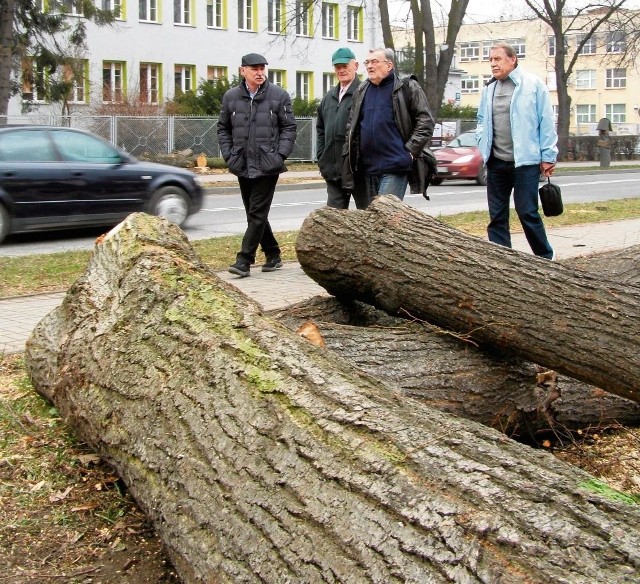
<point>148,136</point>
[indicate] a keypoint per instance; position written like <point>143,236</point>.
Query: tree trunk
<point>261,458</point>
<point>403,261</point>
<point>7,9</point>
<point>506,393</point>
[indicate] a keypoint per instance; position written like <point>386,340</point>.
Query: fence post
<point>171,134</point>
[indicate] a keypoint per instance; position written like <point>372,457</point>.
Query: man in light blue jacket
<point>517,137</point>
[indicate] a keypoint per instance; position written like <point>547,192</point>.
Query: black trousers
<point>257,195</point>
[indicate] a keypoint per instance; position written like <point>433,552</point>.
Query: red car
<point>460,159</point>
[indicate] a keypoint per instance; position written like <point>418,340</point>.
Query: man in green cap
<point>333,113</point>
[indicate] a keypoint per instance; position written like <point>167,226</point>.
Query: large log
<point>261,458</point>
<point>401,260</point>
<point>444,372</point>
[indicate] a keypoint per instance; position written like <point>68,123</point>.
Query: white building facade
<point>157,48</point>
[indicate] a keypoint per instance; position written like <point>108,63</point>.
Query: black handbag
<point>551,199</point>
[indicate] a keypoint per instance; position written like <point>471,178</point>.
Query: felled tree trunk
<point>504,392</point>
<point>400,260</point>
<point>261,458</point>
<point>622,265</point>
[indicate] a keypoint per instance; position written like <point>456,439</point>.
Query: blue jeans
<point>502,178</point>
<point>386,184</point>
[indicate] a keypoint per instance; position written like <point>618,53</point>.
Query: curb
<point>212,190</point>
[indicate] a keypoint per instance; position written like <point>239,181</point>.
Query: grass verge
<point>57,271</point>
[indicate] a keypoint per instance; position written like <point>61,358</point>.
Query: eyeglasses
<point>375,62</point>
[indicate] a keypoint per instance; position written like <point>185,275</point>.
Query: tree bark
<point>514,396</point>
<point>261,458</point>
<point>401,260</point>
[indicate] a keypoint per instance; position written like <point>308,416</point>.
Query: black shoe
<point>240,269</point>
<point>272,265</point>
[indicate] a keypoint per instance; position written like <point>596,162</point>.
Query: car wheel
<point>171,203</point>
<point>5,223</point>
<point>436,180</point>
<point>481,179</point>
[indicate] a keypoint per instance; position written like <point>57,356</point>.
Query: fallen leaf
<point>37,486</point>
<point>60,495</point>
<point>87,507</point>
<point>88,459</point>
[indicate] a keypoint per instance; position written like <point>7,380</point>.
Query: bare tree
<point>431,61</point>
<point>585,23</point>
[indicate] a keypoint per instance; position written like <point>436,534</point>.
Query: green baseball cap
<point>342,56</point>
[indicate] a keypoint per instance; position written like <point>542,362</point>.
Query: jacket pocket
<point>270,161</point>
<point>237,163</point>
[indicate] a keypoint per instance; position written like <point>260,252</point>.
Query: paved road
<point>223,213</point>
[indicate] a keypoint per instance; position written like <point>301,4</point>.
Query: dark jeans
<point>502,178</point>
<point>338,198</point>
<point>386,184</point>
<point>257,195</point>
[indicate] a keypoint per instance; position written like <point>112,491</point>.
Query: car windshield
<point>466,140</point>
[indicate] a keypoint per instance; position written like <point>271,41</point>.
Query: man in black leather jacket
<point>389,126</point>
<point>256,133</point>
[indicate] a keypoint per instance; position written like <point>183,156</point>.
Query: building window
<point>486,79</point>
<point>304,10</point>
<point>470,84</point>
<point>616,78</point>
<point>34,81</point>
<point>303,85</point>
<point>148,10</point>
<point>275,11</point>
<point>354,23</point>
<point>520,47</point>
<point>589,48</point>
<point>616,112</point>
<point>77,76</point>
<point>551,46</point>
<point>469,52</point>
<point>586,79</point>
<point>72,7</point>
<point>114,6</point>
<point>328,82</point>
<point>585,113</point>
<point>616,42</point>
<point>329,20</point>
<point>112,80</point>
<point>183,78</point>
<point>277,77</point>
<point>246,20</point>
<point>215,13</point>
<point>215,73</point>
<point>182,11</point>
<point>149,83</point>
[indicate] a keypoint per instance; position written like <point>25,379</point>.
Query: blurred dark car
<point>62,178</point>
<point>460,159</point>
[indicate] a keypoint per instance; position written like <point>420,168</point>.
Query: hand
<point>547,168</point>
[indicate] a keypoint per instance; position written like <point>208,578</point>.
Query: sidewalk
<point>19,315</point>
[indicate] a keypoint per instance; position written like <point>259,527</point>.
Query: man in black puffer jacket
<point>256,133</point>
